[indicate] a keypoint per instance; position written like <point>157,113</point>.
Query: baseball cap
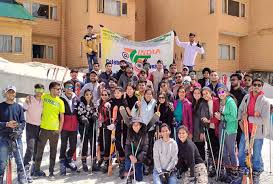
<point>187,78</point>
<point>185,67</point>
<point>136,119</point>
<point>10,87</point>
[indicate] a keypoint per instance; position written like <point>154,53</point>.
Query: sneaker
<point>51,176</point>
<point>38,174</point>
<point>72,166</point>
<point>256,177</point>
<point>95,167</point>
<point>21,178</point>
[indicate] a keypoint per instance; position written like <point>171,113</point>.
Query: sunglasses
<point>221,92</point>
<point>178,77</point>
<point>39,90</point>
<point>68,87</point>
<point>161,97</point>
<point>233,79</point>
<point>186,82</point>
<point>185,69</point>
<point>255,85</point>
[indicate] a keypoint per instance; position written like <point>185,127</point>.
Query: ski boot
<point>1,179</point>
<point>21,178</point>
<point>121,169</point>
<point>95,167</point>
<point>84,165</point>
<point>100,162</point>
<point>62,167</point>
<point>71,165</point>
<point>105,165</point>
<point>29,178</point>
<point>238,179</point>
<point>129,180</point>
<point>256,177</point>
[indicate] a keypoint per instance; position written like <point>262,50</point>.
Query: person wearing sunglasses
<point>127,77</point>
<point>106,76</point>
<point>248,82</point>
<point>70,128</point>
<point>227,116</point>
<point>178,83</point>
<point>51,126</point>
<point>188,87</point>
<point>255,109</point>
<point>33,107</point>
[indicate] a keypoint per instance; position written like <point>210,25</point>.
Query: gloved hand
<point>198,45</point>
<point>84,120</point>
<point>15,135</point>
<point>174,32</point>
<point>94,117</point>
<point>163,178</point>
<point>111,127</point>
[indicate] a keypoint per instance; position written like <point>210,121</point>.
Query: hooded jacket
<point>187,113</point>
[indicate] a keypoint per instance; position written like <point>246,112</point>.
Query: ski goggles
<point>221,92</point>
<point>39,90</point>
<point>68,87</point>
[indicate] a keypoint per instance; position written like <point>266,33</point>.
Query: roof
<point>14,10</point>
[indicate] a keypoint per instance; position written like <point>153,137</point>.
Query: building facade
<point>236,34</point>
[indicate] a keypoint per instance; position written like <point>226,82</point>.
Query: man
<point>105,76</point>
<point>33,107</point>
<point>165,153</point>
<point>69,130</point>
<point>248,82</point>
<point>113,83</point>
<point>51,126</point>
<point>191,49</point>
<point>122,64</point>
<point>93,85</point>
<point>127,77</point>
<point>238,92</point>
<point>157,74</point>
<point>143,77</point>
<point>214,82</point>
<point>255,109</point>
<point>91,46</point>
<point>96,68</point>
<point>75,81</point>
<point>178,82</point>
<point>141,87</point>
<point>12,123</point>
<point>205,80</point>
<point>185,71</point>
<point>164,87</point>
<point>173,70</point>
<point>194,83</point>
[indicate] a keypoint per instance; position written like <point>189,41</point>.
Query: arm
<point>128,150</point>
<point>179,43</point>
<point>156,155</point>
<point>204,113</point>
<point>61,121</point>
<point>190,118</point>
<point>141,156</point>
<point>231,116</point>
<point>200,50</point>
<point>264,116</point>
<point>174,159</point>
<point>3,125</point>
<point>134,111</point>
<point>22,120</point>
<point>191,161</point>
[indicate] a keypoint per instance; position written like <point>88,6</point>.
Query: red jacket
<point>216,108</point>
<point>187,113</point>
<point>70,123</point>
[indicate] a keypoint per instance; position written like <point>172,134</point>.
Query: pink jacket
<point>187,113</point>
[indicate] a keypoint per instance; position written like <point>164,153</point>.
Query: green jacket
<point>230,116</point>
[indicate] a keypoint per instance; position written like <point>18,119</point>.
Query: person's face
<point>173,69</point>
<point>191,38</point>
<point>112,84</point>
<point>93,77</point>
<point>166,75</point>
<point>181,94</point>
<point>129,72</point>
<point>88,96</point>
<point>248,81</point>
<point>146,67</point>
<point>141,86</point>
<point>222,94</point>
<point>108,68</point>
<point>234,81</point>
<point>182,135</point>
<point>136,127</point>
<point>178,78</point>
<point>159,66</point>
<point>143,75</point>
<point>117,94</point>
<point>164,87</point>
<point>104,96</point>
<point>161,99</point>
<point>192,75</point>
<point>90,30</point>
<point>206,74</point>
<point>10,95</point>
<point>206,95</point>
<point>130,91</point>
<point>68,90</point>
<point>257,87</point>
<point>56,90</point>
<point>187,84</point>
<point>96,67</point>
<point>148,96</point>
<point>39,92</point>
<point>214,77</point>
<point>122,65</point>
<point>197,94</point>
<point>74,75</point>
<point>185,72</point>
<point>165,132</point>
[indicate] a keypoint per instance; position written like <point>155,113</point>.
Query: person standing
<point>127,77</point>
<point>214,82</point>
<point>33,107</point>
<point>74,80</point>
<point>248,82</point>
<point>178,83</point>
<point>12,124</point>
<point>123,64</point>
<point>157,75</point>
<point>105,76</point>
<point>51,126</point>
<point>191,49</point>
<point>205,81</point>
<point>165,153</point>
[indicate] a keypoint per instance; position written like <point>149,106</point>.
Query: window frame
<point>50,17</point>
<point>14,47</point>
<point>8,50</point>
<point>212,6</point>
<point>232,52</point>
<point>243,10</point>
<point>47,52</point>
<point>119,12</point>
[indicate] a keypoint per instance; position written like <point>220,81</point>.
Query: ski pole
<point>93,137</point>
<point>212,154</point>
<point>82,140</point>
<point>270,139</point>
<point>21,159</point>
<point>220,155</point>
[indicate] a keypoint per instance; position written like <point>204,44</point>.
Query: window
<point>212,6</point>
<point>227,52</point>
<point>40,10</point>
<point>27,6</point>
<point>232,53</point>
<point>38,51</point>
<point>203,56</point>
<point>5,43</point>
<point>100,6</point>
<point>243,10</point>
<point>18,44</point>
<point>112,7</point>
<point>49,52</point>
<point>224,6</point>
<point>233,8</point>
<point>53,12</point>
<point>124,8</point>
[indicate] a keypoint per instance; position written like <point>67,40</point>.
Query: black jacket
<point>238,94</point>
<point>166,114</point>
<point>202,82</point>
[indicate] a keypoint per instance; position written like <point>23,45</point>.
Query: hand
<point>244,117</point>
<point>12,124</point>
<point>174,32</point>
<point>192,180</point>
<point>101,25</point>
<point>202,136</point>
<point>205,120</point>
<point>28,101</point>
<point>163,178</point>
<point>217,115</point>
<point>133,159</point>
<point>111,127</point>
<point>241,124</point>
<point>138,105</point>
<point>257,114</point>
<point>84,120</point>
<point>14,135</point>
<point>171,106</point>
<point>198,44</point>
<point>190,136</point>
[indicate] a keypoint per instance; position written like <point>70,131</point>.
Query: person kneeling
<point>165,157</point>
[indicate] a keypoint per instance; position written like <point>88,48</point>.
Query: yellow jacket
<point>91,43</point>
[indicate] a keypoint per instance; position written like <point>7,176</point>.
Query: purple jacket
<point>187,114</point>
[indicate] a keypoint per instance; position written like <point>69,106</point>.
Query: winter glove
<point>84,120</point>
<point>163,178</point>
<point>15,135</point>
<point>174,32</point>
<point>198,45</point>
<point>94,117</point>
<point>111,127</point>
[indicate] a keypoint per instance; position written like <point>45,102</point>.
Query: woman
<point>104,139</point>
<point>87,115</point>
<point>228,126</point>
<point>136,149</point>
<point>190,161</point>
<point>200,111</point>
<point>183,110</point>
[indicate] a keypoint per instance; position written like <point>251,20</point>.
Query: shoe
<point>71,165</point>
<point>38,174</point>
<point>256,177</point>
<point>84,165</point>
<point>239,178</point>
<point>1,179</point>
<point>121,169</point>
<point>51,176</point>
<point>129,180</point>
<point>21,178</point>
<point>29,178</point>
<point>104,166</point>
<point>146,170</point>
<point>95,167</point>
<point>100,162</point>
<point>62,168</point>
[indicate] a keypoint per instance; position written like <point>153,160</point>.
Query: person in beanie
<point>136,148</point>
<point>165,157</point>
<point>87,115</point>
<point>190,161</point>
<point>12,123</point>
<point>70,128</point>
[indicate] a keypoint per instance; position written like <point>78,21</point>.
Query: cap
<point>93,71</point>
<point>222,86</point>
<point>187,78</point>
<point>136,119</point>
<point>10,87</point>
<point>74,71</point>
<point>185,67</point>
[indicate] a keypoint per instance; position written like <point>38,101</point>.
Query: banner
<point>116,48</point>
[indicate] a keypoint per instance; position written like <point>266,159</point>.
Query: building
<point>236,34</point>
